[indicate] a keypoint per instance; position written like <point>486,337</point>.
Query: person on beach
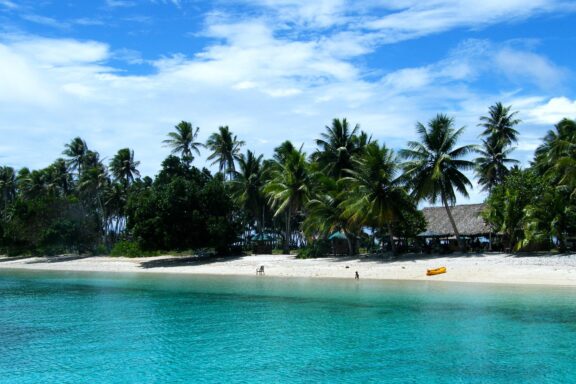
<point>357,277</point>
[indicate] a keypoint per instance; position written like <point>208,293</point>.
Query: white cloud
<point>552,111</point>
<point>270,78</point>
<point>518,66</point>
<point>409,19</point>
<point>48,21</point>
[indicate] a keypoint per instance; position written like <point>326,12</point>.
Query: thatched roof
<point>467,217</point>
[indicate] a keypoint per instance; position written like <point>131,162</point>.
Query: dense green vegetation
<point>350,185</point>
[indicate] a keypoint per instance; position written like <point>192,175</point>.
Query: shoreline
<point>493,268</point>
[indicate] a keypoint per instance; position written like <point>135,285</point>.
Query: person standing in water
<point>357,277</point>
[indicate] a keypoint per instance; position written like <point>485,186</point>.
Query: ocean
<point>69,327</point>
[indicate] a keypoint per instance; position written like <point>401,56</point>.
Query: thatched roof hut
<point>468,220</point>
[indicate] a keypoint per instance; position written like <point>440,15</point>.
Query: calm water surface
<point>99,328</point>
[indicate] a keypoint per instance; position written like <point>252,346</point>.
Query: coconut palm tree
<point>325,211</point>
<point>123,166</point>
<point>60,177</point>
<point>554,157</point>
<point>225,148</point>
<point>248,185</point>
<point>92,186</point>
<point>7,188</point>
<point>377,196</point>
<point>434,165</point>
<point>76,151</point>
<point>558,143</point>
<point>499,125</point>
<point>337,146</point>
<point>183,141</point>
<point>289,189</point>
<point>491,166</point>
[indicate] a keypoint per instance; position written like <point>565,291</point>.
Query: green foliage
<point>49,225</point>
<point>79,204</point>
<point>317,248</point>
<point>127,249</point>
<point>506,204</point>
<point>187,212</point>
<point>411,223</point>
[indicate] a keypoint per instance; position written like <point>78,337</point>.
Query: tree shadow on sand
<point>58,259</point>
<point>178,261</point>
<point>388,258</point>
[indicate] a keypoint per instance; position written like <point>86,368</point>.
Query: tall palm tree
<point>183,141</point>
<point>377,197</point>
<point>434,164</point>
<point>92,186</point>
<point>325,211</point>
<point>225,148</point>
<point>499,125</point>
<point>337,146</point>
<point>248,185</point>
<point>76,151</point>
<point>60,176</point>
<point>556,157</point>
<point>289,189</point>
<point>7,188</point>
<point>123,166</point>
<point>491,166</point>
<point>499,135</point>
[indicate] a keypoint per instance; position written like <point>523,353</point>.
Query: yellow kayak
<point>436,271</point>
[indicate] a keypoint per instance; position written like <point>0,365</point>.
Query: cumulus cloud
<point>552,111</point>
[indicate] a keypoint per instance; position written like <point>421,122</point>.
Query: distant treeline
<point>350,183</point>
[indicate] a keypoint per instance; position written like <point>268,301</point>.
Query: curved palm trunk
<point>460,243</point>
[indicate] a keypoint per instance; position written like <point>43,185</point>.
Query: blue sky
<point>123,72</point>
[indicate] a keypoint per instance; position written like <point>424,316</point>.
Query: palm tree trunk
<point>391,236</point>
<point>287,235</point>
<point>350,247</point>
<point>460,243</point>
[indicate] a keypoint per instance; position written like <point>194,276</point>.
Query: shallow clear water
<point>98,328</point>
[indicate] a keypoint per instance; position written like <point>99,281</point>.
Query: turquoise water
<point>98,328</point>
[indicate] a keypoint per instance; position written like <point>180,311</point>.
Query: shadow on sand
<point>413,257</point>
<point>58,259</point>
<point>179,261</point>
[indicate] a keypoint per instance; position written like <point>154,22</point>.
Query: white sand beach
<point>477,268</point>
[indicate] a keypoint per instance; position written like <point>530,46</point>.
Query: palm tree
<point>60,177</point>
<point>325,211</point>
<point>248,186</point>
<point>499,134</point>
<point>499,125</point>
<point>123,166</point>
<point>491,166</point>
<point>289,189</point>
<point>337,146</point>
<point>377,197</point>
<point>76,152</point>
<point>434,165</point>
<point>556,157</point>
<point>92,186</point>
<point>225,149</point>
<point>183,141</point>
<point>7,187</point>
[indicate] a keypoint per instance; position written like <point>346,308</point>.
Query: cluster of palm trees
<point>349,183</point>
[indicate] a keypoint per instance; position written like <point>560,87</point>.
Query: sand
<point>476,268</point>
